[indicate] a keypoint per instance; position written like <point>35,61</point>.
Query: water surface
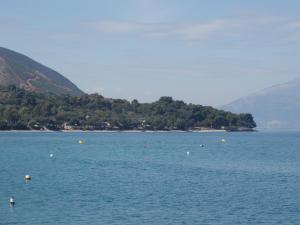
<point>148,178</point>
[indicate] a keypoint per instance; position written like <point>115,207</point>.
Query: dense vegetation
<point>20,110</point>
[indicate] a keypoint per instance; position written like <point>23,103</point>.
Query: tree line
<point>22,110</point>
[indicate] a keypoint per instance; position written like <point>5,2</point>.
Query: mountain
<point>276,107</point>
<point>23,72</point>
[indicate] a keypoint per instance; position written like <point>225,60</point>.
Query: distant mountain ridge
<point>276,107</point>
<point>23,72</point>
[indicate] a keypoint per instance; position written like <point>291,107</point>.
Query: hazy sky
<point>207,52</point>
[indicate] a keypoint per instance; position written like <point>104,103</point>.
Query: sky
<point>207,52</point>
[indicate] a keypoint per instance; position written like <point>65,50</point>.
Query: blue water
<point>148,178</point>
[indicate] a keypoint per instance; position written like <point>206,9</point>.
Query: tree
<point>20,109</point>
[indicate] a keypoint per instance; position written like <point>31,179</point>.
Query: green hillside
<point>20,109</point>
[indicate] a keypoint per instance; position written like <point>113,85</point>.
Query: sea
<point>150,178</point>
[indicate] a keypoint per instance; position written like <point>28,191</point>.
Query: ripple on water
<point>147,178</point>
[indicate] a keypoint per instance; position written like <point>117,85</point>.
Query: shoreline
<point>121,131</point>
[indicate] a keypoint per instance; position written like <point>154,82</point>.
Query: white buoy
<point>187,153</point>
<point>27,177</point>
<point>223,140</point>
<point>51,155</point>
<point>80,141</point>
<point>12,200</point>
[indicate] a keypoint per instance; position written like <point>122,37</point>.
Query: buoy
<point>80,141</point>
<point>223,140</point>
<point>51,155</point>
<point>12,200</point>
<point>202,145</point>
<point>187,153</point>
<point>27,177</point>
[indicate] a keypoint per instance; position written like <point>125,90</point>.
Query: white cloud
<point>189,31</point>
<point>117,27</point>
<point>293,25</point>
<point>201,30</point>
<point>64,36</point>
<point>238,27</point>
